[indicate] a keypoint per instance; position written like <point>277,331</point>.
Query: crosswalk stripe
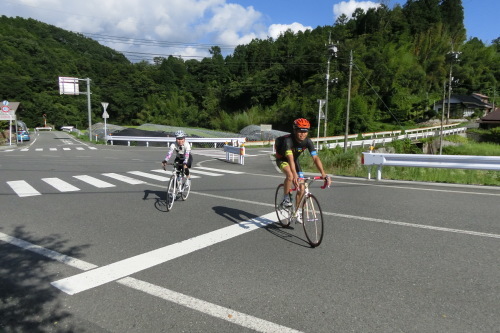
<point>53,149</point>
<point>220,170</point>
<point>148,175</point>
<point>123,178</point>
<point>94,181</point>
<point>66,148</point>
<point>23,189</point>
<point>205,173</point>
<point>169,172</point>
<point>93,148</point>
<point>60,185</point>
<point>79,148</point>
<point>39,149</point>
<point>24,149</point>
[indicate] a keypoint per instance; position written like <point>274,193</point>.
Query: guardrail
<point>413,135</point>
<point>373,139</point>
<point>148,139</point>
<point>430,161</point>
<point>232,151</point>
<point>43,128</point>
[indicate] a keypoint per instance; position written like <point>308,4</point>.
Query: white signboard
<point>68,86</point>
<point>6,116</point>
<point>265,127</point>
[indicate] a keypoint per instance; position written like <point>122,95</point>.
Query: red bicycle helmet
<point>301,124</point>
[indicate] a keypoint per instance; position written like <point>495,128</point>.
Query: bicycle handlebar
<point>325,184</point>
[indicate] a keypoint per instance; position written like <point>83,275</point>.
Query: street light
<point>332,52</point>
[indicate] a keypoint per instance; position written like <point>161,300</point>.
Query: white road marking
<point>60,185</point>
<point>23,189</point>
<point>99,276</point>
<point>25,149</point>
<point>80,148</point>
<point>94,181</point>
<point>148,175</point>
<point>38,149</point>
<point>214,310</point>
<point>205,172</point>
<point>92,148</point>
<point>211,309</point>
<point>220,170</point>
<point>363,218</point>
<point>52,149</point>
<point>70,261</point>
<point>123,178</point>
<point>66,148</point>
<point>169,172</point>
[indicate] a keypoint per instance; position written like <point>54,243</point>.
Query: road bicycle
<point>178,186</point>
<point>312,216</point>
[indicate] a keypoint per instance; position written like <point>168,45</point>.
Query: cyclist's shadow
<point>238,216</point>
<point>160,198</point>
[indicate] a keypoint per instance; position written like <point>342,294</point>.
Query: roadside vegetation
<point>338,163</point>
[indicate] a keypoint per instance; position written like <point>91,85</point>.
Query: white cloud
<point>275,30</point>
<point>348,7</point>
<point>178,25</point>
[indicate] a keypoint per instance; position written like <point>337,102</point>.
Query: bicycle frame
<point>312,216</point>
<point>307,193</point>
<point>175,187</point>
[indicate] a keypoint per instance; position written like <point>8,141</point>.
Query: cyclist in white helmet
<point>182,149</point>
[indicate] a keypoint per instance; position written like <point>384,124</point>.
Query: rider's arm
<point>169,154</point>
<point>187,148</point>
<point>317,161</point>
<point>291,162</point>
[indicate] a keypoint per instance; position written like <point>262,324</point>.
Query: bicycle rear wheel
<point>312,220</point>
<point>171,192</point>
<point>186,189</point>
<point>282,213</point>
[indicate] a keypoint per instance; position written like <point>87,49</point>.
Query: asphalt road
<point>85,249</point>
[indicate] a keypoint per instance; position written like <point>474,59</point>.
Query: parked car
<point>23,136</point>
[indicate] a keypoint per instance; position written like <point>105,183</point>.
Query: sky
<point>144,29</point>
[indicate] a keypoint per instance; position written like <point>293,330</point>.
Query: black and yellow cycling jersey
<point>287,145</point>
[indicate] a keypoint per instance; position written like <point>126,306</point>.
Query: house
<point>491,120</point>
<point>463,106</point>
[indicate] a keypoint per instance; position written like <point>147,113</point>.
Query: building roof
<point>492,117</point>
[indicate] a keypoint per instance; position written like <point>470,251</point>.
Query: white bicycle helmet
<point>180,134</point>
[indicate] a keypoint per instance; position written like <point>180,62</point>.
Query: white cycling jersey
<point>182,151</point>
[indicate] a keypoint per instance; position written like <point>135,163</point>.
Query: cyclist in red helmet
<point>288,149</point>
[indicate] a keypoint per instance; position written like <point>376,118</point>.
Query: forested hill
<point>401,59</point>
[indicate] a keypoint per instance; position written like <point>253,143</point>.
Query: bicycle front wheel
<point>312,220</point>
<point>282,212</point>
<point>171,192</point>
<point>185,190</point>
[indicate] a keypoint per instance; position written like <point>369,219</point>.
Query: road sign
<point>105,115</point>
<point>5,109</point>
<point>5,102</point>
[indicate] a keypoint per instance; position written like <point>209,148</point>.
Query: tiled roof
<point>492,116</point>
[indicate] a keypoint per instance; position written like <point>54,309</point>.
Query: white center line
<point>112,272</point>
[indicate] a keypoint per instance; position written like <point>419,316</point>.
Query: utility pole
<point>89,109</point>
<point>453,57</point>
<point>348,104</point>
<point>442,120</point>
